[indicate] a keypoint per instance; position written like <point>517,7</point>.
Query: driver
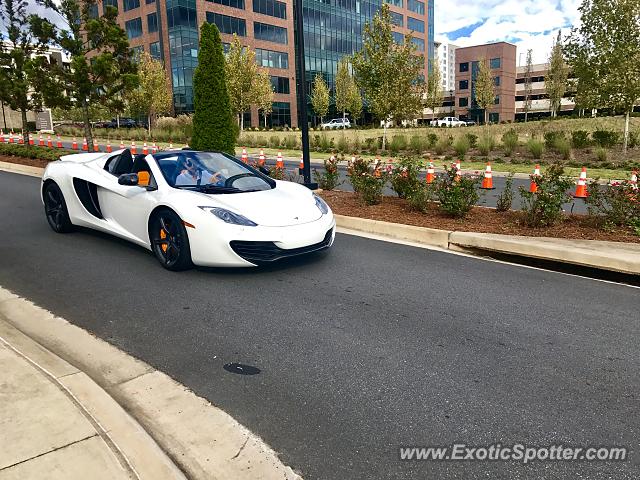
<point>191,174</point>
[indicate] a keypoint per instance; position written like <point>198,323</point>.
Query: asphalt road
<point>363,349</point>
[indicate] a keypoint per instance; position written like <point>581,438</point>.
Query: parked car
<point>337,123</point>
<point>448,122</point>
<point>124,123</point>
<point>471,123</point>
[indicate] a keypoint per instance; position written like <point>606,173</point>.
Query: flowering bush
<point>422,196</point>
<point>544,207</point>
<point>615,204</point>
<point>329,178</point>
<point>368,179</point>
<point>404,176</point>
<point>277,173</point>
<point>457,193</point>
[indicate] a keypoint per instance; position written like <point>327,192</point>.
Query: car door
<point>127,208</point>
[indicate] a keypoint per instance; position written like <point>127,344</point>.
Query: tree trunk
<point>384,135</point>
<point>626,131</point>
<point>242,121</point>
<point>118,121</point>
<point>87,125</point>
<point>25,127</point>
<point>149,124</point>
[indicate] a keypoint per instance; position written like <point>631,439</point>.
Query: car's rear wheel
<point>55,208</point>
<point>169,241</point>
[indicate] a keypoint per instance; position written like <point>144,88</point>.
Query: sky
<point>526,23</point>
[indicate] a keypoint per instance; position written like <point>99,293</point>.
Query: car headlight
<point>321,204</point>
<point>230,217</point>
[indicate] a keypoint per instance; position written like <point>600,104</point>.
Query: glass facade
<point>280,115</point>
<point>269,33</point>
<point>155,51</point>
<point>230,3</point>
<point>182,30</point>
<point>431,49</point>
<point>273,8</point>
<point>271,58</point>
<point>130,4</point>
<point>415,25</point>
<point>280,84</point>
<point>152,22</point>
<point>227,24</point>
<point>133,28</point>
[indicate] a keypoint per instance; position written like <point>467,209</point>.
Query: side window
<point>111,163</point>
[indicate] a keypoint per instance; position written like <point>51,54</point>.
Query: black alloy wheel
<point>55,209</point>
<point>169,241</point>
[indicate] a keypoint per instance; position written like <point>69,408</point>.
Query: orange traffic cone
<point>244,157</point>
<point>279,161</point>
<point>581,187</point>
<point>109,146</point>
<point>533,186</point>
<point>85,147</point>
<point>121,145</point>
<point>170,145</point>
<point>145,149</point>
<point>96,148</point>
<point>49,142</point>
<point>58,142</point>
<point>301,164</point>
<point>261,158</point>
<point>41,141</point>
<point>133,147</point>
<point>431,173</point>
<point>31,139</point>
<point>74,145</point>
<point>11,137</point>
<point>5,139</point>
<point>21,138</point>
<point>154,148</point>
<point>634,180</point>
<point>487,181</point>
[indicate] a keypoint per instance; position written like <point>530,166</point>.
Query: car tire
<point>169,241</point>
<point>55,209</point>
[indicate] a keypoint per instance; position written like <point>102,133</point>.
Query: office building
<point>446,55</point>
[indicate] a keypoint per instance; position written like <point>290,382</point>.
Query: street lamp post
<point>302,96</point>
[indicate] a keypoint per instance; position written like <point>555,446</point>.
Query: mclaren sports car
<point>188,207</point>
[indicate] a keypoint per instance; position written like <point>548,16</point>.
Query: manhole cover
<point>241,369</point>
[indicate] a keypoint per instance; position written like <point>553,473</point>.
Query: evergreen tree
<point>213,126</point>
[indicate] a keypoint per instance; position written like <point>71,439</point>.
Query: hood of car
<point>285,205</point>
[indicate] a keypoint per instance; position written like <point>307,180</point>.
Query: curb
<point>614,256</point>
<point>146,413</point>
<point>23,169</point>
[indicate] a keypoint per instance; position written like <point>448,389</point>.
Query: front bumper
<point>260,253</point>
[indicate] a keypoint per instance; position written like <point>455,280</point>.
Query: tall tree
<point>102,67</point>
<point>555,80</point>
<point>320,96</point>
<point>388,73</point>
<point>213,125</point>
<point>485,94</point>
<point>604,55</point>
<point>528,88</point>
<point>153,95</point>
<point>343,86</point>
<point>434,94</point>
<point>242,78</point>
<point>21,60</point>
<point>355,102</point>
<point>264,94</point>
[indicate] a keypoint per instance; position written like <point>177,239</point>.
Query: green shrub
<point>357,168</point>
<point>457,194</point>
<point>486,144</point>
<point>616,204</point>
<point>432,139</point>
<point>605,138</point>
<point>563,147</point>
<point>544,208</point>
<point>509,141</point>
<point>421,197</point>
<point>442,146</point>
<point>329,178</point>
<point>342,145</point>
<point>371,188</point>
<point>601,154</point>
<point>461,146</point>
<point>505,199</point>
<point>274,141</point>
<point>535,147</point>
<point>550,138</point>
<point>473,139</point>
<point>357,143</point>
<point>417,143</point>
<point>580,138</point>
<point>398,143</point>
<point>33,152</point>
<point>634,139</point>
<point>404,176</point>
<point>291,142</point>
<point>325,144</point>
<point>247,140</point>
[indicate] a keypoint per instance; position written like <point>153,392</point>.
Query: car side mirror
<point>128,179</point>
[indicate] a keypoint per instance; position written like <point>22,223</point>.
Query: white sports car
<point>188,207</point>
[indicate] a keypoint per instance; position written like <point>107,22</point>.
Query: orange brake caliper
<point>162,237</point>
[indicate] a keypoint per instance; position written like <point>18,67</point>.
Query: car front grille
<point>265,252</point>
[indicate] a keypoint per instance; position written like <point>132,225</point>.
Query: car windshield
<point>211,172</point>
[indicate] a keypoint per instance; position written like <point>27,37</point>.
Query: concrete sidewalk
<point>57,424</point>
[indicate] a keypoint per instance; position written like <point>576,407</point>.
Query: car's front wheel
<point>169,241</point>
<point>55,208</point>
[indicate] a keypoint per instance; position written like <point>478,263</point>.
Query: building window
<point>397,19</point>
<point>230,3</point>
<point>134,28</point>
<point>272,59</point>
<point>93,11</point>
<point>463,102</point>
<point>148,2</point>
<point>419,43</point>
<point>463,85</point>
<point>464,67</point>
<point>398,37</point>
<point>227,24</point>
<point>136,52</point>
<point>269,33</point>
<point>496,101</point>
<point>415,25</point>
<point>152,23</point>
<point>280,115</point>
<point>273,8</point>
<point>494,63</point>
<point>109,3</point>
<point>280,84</point>
<point>130,4</point>
<point>416,6</point>
<point>395,3</point>
<point>496,81</point>
<point>154,50</point>
<point>494,117</point>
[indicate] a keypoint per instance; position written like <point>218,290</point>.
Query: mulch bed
<point>480,219</point>
<point>32,162</point>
